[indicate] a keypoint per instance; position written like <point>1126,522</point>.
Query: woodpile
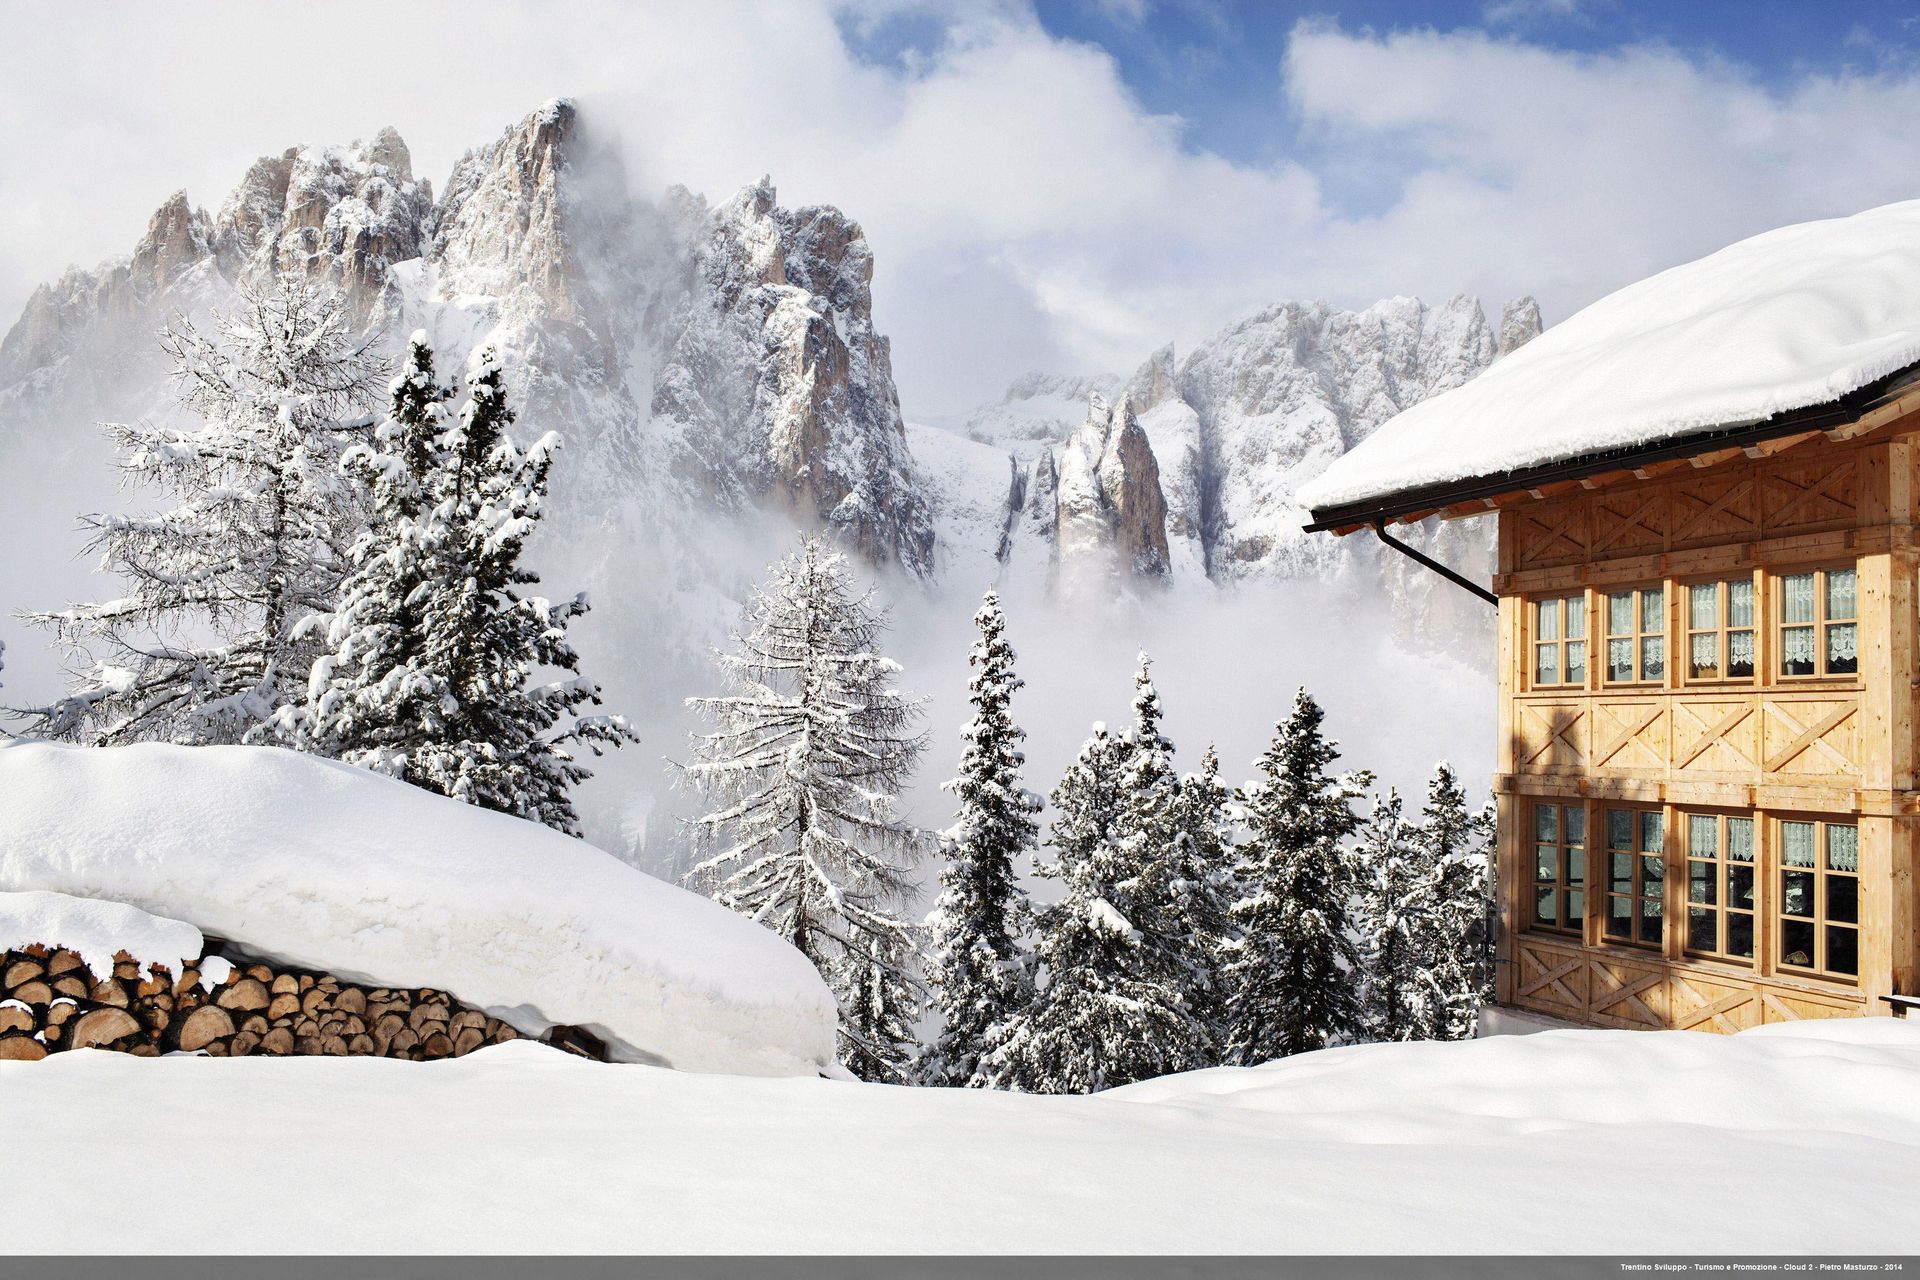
<point>50,1001</point>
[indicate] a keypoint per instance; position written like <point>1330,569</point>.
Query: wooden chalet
<point>1706,765</point>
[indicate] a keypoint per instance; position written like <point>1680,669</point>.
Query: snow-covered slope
<point>1491,1146</point>
<point>330,867</point>
<point>1796,317</point>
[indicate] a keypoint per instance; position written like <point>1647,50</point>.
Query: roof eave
<point>1829,416</point>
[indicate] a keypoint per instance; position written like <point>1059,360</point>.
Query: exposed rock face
<point>1108,500</point>
<point>1519,324</point>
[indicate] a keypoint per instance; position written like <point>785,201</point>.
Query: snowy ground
<point>1799,1138</point>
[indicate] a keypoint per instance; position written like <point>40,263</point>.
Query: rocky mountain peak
<point>1519,324</point>
<point>1110,511</point>
<point>176,238</point>
<point>501,227</point>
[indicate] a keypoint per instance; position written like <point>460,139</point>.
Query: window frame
<point>1722,631</point>
<point>1722,906</point>
<point>1565,887</point>
<point>1569,607</point>
<point>1821,623</point>
<point>1776,908</point>
<point>1638,893</point>
<point>1639,636</point>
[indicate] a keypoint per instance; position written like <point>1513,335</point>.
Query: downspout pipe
<point>1380,532</point>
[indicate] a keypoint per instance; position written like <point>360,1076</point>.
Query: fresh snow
<point>331,867</point>
<point>1796,317</point>
<point>1798,1138</point>
<point>95,930</point>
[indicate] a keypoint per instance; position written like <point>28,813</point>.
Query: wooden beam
<point>1779,444</point>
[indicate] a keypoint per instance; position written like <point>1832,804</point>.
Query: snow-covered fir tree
<point>978,972</point>
<point>1110,1010</point>
<point>1396,884</point>
<point>1295,970</point>
<point>1202,895</point>
<point>880,1004</point>
<point>809,749</point>
<point>434,656</point>
<point>1456,848</point>
<point>212,633</point>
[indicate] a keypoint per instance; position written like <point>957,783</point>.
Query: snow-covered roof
<point>1788,320</point>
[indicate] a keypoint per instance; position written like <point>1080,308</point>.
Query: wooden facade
<point>1706,779</point>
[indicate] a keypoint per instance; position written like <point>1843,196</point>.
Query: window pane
<point>1740,887</point>
<point>1620,659</point>
<point>1546,823</point>
<point>1620,613</point>
<point>1653,875</point>
<point>1740,839</point>
<point>1739,653</point>
<point>1576,908</point>
<point>1546,863</point>
<point>1796,844</point>
<point>1796,943</point>
<point>1843,848</point>
<point>1702,883</point>
<point>1546,664</point>
<point>1653,657</point>
<point>1576,824</point>
<point>1843,950</point>
<point>1796,893</point>
<point>1650,921</point>
<point>1842,651</point>
<point>1796,598</point>
<point>1703,606</point>
<point>1621,879</point>
<point>1546,625</point>
<point>1740,603</point>
<point>1703,929</point>
<point>1702,835</point>
<point>1576,865</point>
<point>1652,838</point>
<point>1739,934</point>
<point>1843,899</point>
<point>1703,656</point>
<point>1796,651</point>
<point>1619,917</point>
<point>1576,618</point>
<point>1619,828</point>
<point>1840,593</point>
<point>1543,909</point>
<point>1577,662</point>
<point>1653,609</point>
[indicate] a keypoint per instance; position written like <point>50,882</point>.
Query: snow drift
<point>1793,318</point>
<point>330,867</point>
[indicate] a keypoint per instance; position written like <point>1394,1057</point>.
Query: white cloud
<point>1026,210</point>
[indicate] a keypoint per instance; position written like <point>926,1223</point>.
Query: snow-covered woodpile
<point>50,1001</point>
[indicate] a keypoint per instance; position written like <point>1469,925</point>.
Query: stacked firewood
<point>50,1001</point>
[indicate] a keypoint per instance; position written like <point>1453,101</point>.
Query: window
<point>1819,623</point>
<point>1636,636</point>
<point>1820,898</point>
<point>1720,630</point>
<point>1560,641</point>
<point>1636,875</point>
<point>1559,866</point>
<point>1720,886</point>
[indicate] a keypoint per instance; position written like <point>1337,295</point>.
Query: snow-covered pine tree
<point>212,632</point>
<point>880,1003</point>
<point>1395,888</point>
<point>1295,969</point>
<point>1202,895</point>
<point>1456,848</point>
<point>808,752</point>
<point>977,969</point>
<point>433,653</point>
<point>1109,1011</point>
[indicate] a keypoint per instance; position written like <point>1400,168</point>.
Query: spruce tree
<point>212,632</point>
<point>1202,895</point>
<point>1395,898</point>
<point>880,1004</point>
<point>977,970</point>
<point>808,752</point>
<point>434,652</point>
<point>1295,971</point>
<point>1457,850</point>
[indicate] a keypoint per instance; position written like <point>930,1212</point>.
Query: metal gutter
<point>1380,531</point>
<point>1848,409</point>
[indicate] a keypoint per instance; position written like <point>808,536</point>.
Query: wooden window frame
<point>1778,918</point>
<point>1722,631</point>
<point>1569,607</point>
<point>1565,886</point>
<point>1721,907</point>
<point>1639,636</point>
<point>1638,893</point>
<point>1778,626</point>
